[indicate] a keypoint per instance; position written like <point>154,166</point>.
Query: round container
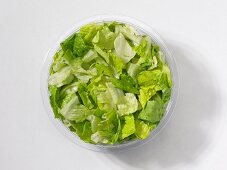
<point>143,29</point>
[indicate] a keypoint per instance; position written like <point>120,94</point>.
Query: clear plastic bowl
<point>142,28</point>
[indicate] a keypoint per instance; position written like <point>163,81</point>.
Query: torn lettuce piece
<point>130,33</point>
<point>94,122</point>
<point>89,56</point>
<point>104,38</point>
<point>79,46</point>
<point>144,51</point>
<point>153,111</point>
<point>69,89</point>
<point>85,96</point>
<point>74,111</point>
<point>80,73</point>
<point>128,127</point>
<point>103,137</point>
<point>143,129</point>
<point>89,31</point>
<point>123,49</point>
<point>117,64</point>
<point>102,53</point>
<point>146,93</point>
<point>126,83</point>
<point>54,100</point>
<point>128,105</point>
<point>58,62</point>
<point>133,70</point>
<point>61,77</point>
<point>83,130</point>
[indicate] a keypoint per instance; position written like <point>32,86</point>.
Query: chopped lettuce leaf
<point>54,100</point>
<point>94,122</point>
<point>142,129</point>
<point>123,49</point>
<point>69,89</point>
<point>145,94</point>
<point>129,105</point>
<point>126,83</point>
<point>89,31</point>
<point>104,39</point>
<point>61,78</point>
<point>58,62</point>
<point>91,55</point>
<point>101,137</point>
<point>102,53</point>
<point>153,111</point>
<point>130,33</point>
<point>117,64</point>
<point>128,127</point>
<point>82,90</point>
<point>79,47</point>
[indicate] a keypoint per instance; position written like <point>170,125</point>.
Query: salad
<point>109,83</point>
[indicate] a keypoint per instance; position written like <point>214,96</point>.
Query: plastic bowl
<point>142,28</point>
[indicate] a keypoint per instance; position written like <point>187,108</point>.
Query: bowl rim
<point>141,27</point>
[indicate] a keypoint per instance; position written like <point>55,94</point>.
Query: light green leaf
<point>123,49</point>
<point>146,93</point>
<point>130,33</point>
<point>90,30</point>
<point>104,38</point>
<point>61,77</point>
<point>143,129</point>
<point>128,127</point>
<point>153,111</point>
<point>128,105</point>
<point>102,53</point>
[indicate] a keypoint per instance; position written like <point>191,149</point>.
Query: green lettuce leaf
<point>58,62</point>
<point>146,93</point>
<point>84,95</point>
<point>79,47</point>
<point>123,49</point>
<point>153,111</point>
<point>104,39</point>
<point>130,33</point>
<point>128,105</point>
<point>117,64</point>
<point>89,31</point>
<point>91,55</point>
<point>102,53</point>
<point>69,89</point>
<point>74,111</point>
<point>128,127</point>
<point>68,44</point>
<point>83,130</point>
<point>62,77</point>
<point>102,137</point>
<point>143,129</point>
<point>133,70</point>
<point>54,101</point>
<point>94,122</point>
<point>126,83</point>
<point>103,69</point>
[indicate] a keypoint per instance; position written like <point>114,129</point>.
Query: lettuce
<point>62,77</point>
<point>128,127</point>
<point>123,49</point>
<point>126,83</point>
<point>153,111</point>
<point>104,39</point>
<point>109,84</point>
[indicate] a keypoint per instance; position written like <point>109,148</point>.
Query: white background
<point>196,136</point>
